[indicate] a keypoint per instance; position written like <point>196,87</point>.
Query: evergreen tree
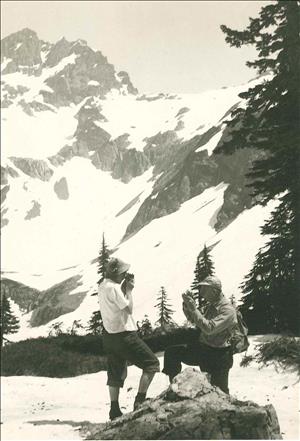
<point>75,327</point>
<point>270,124</point>
<point>9,322</point>
<point>103,259</point>
<point>56,329</point>
<point>270,299</point>
<point>204,267</point>
<point>145,328</point>
<point>164,310</point>
<point>95,324</point>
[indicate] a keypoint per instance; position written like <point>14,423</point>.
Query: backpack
<point>239,340</point>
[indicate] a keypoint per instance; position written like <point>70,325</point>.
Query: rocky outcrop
<point>57,301</point>
<point>93,142</point>
<point>24,296</point>
<point>34,211</point>
<point>4,191</point>
<point>4,220</point>
<point>125,80</point>
<point>81,71</point>
<point>191,408</point>
<point>7,172</point>
<point>34,106</point>
<point>89,132</point>
<point>129,164</point>
<point>151,97</point>
<point>10,93</point>
<point>36,168</point>
<point>57,52</point>
<point>61,189</point>
<point>45,305</point>
<point>87,73</point>
<point>23,49</point>
<point>186,173</point>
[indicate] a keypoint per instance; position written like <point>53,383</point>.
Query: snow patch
<point>212,143</point>
<point>93,83</point>
<point>24,137</point>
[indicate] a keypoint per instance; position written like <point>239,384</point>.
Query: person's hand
<point>187,313</point>
<point>189,304</point>
<point>129,285</point>
<point>184,308</point>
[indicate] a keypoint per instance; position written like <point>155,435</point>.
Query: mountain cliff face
<point>23,295</point>
<point>87,72</point>
<point>46,305</point>
<point>22,50</point>
<point>56,301</point>
<point>84,153</point>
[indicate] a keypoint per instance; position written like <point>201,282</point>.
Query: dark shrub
<point>52,357</point>
<point>68,355</point>
<point>284,351</point>
<point>161,339</point>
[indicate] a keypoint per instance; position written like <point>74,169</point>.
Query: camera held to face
<point>128,280</point>
<point>129,277</point>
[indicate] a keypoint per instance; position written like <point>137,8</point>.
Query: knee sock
<point>139,399</point>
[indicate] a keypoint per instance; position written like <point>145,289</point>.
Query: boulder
<point>191,408</point>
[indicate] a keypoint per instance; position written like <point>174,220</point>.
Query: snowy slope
<point>69,231</point>
<point>164,253</point>
<point>36,137</point>
<point>142,117</point>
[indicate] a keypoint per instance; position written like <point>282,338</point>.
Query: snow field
<point>67,232</point>
<point>142,118</point>
<point>36,136</point>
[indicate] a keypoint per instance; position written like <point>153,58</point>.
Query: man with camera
<point>120,340</point>
<point>213,352</point>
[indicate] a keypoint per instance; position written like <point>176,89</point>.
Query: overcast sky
<point>164,46</point>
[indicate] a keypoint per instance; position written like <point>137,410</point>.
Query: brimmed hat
<point>212,281</point>
<point>117,266</point>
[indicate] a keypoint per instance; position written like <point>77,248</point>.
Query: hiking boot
<point>114,413</point>
<point>138,403</point>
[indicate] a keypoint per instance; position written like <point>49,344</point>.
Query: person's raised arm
<point>129,285</point>
<point>226,318</point>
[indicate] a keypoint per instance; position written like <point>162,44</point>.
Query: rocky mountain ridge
<point>88,74</point>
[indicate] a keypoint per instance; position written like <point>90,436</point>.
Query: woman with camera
<point>120,339</point>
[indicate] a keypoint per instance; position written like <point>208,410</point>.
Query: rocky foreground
<point>191,408</point>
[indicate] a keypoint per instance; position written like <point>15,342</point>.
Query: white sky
<point>168,46</point>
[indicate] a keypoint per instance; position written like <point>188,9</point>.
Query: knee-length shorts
<point>127,347</point>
